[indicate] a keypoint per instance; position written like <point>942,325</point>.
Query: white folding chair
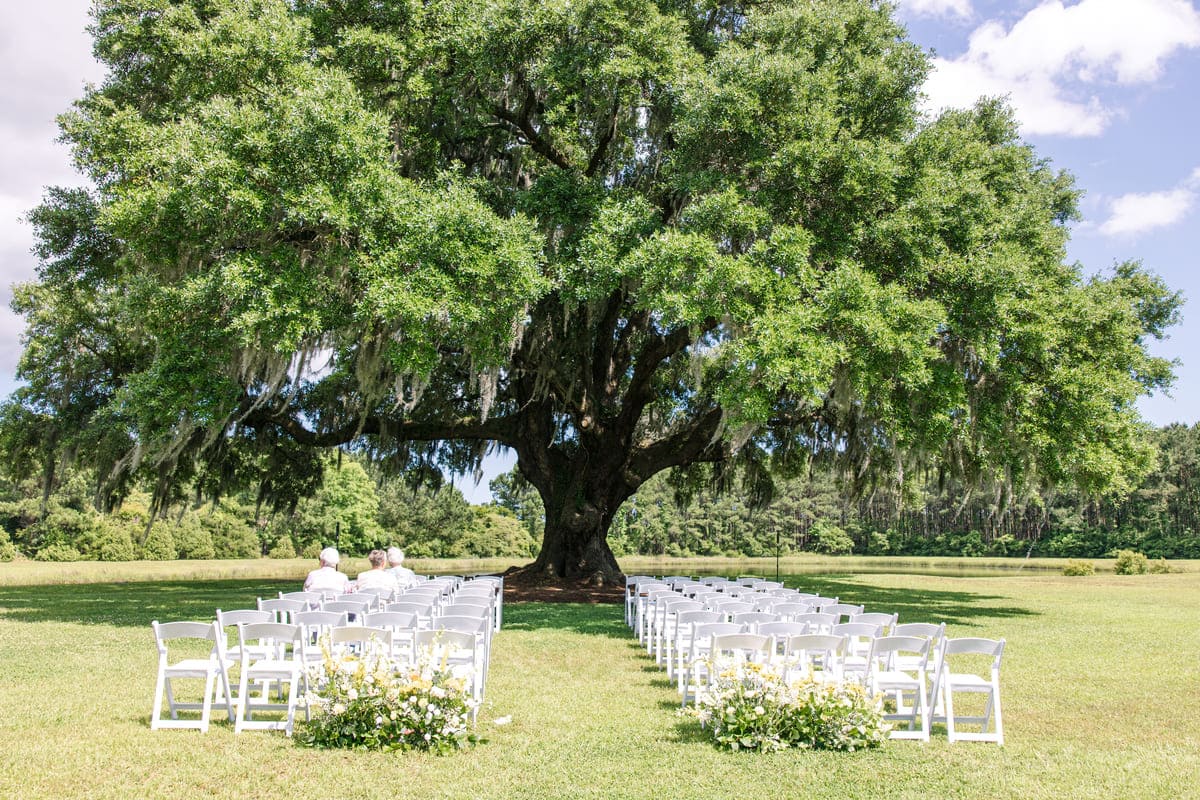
<point>856,658</point>
<point>886,622</point>
<point>354,610</point>
<point>815,657</point>
<point>403,626</point>
<point>285,643</point>
<point>420,608</point>
<point>907,686</point>
<point>282,609</point>
<point>817,623</point>
<point>459,653</point>
<point>694,676</point>
<point>843,611</point>
<point>361,639</point>
<point>953,679</point>
<point>208,667</point>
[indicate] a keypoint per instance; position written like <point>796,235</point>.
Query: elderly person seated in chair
<point>378,576</point>
<point>326,578</point>
<point>404,576</point>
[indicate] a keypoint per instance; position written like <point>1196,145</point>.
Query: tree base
<point>531,583</point>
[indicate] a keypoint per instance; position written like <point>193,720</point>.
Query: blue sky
<point>1105,89</point>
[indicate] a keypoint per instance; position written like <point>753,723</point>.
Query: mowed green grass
<point>1101,697</point>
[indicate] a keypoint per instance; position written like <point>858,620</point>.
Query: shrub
<point>1078,568</point>
<point>829,538</point>
<point>284,548</point>
<point>1130,562</point>
<point>1159,567</point>
<point>159,544</point>
<point>312,550</point>
<point>756,709</point>
<point>8,551</point>
<point>112,542</point>
<point>59,552</point>
<point>233,536</point>
<point>370,702</point>
<point>192,540</point>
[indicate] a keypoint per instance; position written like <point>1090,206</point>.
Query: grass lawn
<point>1100,689</point>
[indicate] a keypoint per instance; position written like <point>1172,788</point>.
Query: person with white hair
<point>378,576</point>
<point>405,577</point>
<point>326,578</point>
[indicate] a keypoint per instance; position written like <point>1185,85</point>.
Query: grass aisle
<point>1100,690</point>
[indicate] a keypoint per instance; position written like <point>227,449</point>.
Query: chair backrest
<point>742,647</point>
<point>812,653</point>
<point>282,610</point>
<point>166,631</point>
<point>451,622</point>
<point>283,640</point>
<point>366,600</point>
<point>437,645</point>
<point>817,623</point>
<point>858,630</point>
<point>227,619</point>
<point>992,648</point>
<point>910,653</point>
<point>790,610</point>
<point>382,594</point>
<point>703,633</point>
<point>841,610</point>
<point>884,621</point>
<point>753,619</point>
<point>467,608</point>
<point>927,629</point>
<point>312,598</point>
<point>361,635</point>
<point>394,620</point>
<point>423,609</point>
<point>353,610</point>
<point>320,620</point>
<point>733,607</point>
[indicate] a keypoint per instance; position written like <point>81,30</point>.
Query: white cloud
<point>1136,213</point>
<point>47,58</point>
<point>1053,60</point>
<point>937,8</point>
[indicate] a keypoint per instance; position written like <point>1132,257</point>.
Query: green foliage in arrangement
<point>753,708</point>
<point>1075,569</point>
<point>1131,562</point>
<point>369,702</point>
<point>618,238</point>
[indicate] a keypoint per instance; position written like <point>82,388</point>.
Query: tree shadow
<point>133,604</point>
<point>913,604</point>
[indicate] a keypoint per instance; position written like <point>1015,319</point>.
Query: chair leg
<point>206,711</point>
<point>156,712</point>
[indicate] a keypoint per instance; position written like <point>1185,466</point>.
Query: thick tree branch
<point>605,139</point>
<point>523,125</point>
<point>695,441</point>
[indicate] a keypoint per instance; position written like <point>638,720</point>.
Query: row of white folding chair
<point>267,653</point>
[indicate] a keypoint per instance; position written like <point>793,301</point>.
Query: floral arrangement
<point>753,707</point>
<point>369,701</point>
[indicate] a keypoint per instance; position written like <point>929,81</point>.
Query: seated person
<point>404,577</point>
<point>378,576</point>
<point>326,578</point>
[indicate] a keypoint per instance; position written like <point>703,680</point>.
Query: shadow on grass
<point>913,604</point>
<point>136,604</point>
<point>133,604</point>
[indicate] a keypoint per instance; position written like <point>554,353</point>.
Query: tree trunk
<point>575,546</point>
<point>581,492</point>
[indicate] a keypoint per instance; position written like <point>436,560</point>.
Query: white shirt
<point>404,576</point>
<point>376,579</point>
<point>326,579</point>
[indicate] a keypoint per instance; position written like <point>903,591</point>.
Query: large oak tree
<point>616,236</point>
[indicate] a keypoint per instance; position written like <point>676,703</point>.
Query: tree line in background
<point>358,509</point>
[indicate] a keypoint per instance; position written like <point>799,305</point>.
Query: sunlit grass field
<point>1101,691</point>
